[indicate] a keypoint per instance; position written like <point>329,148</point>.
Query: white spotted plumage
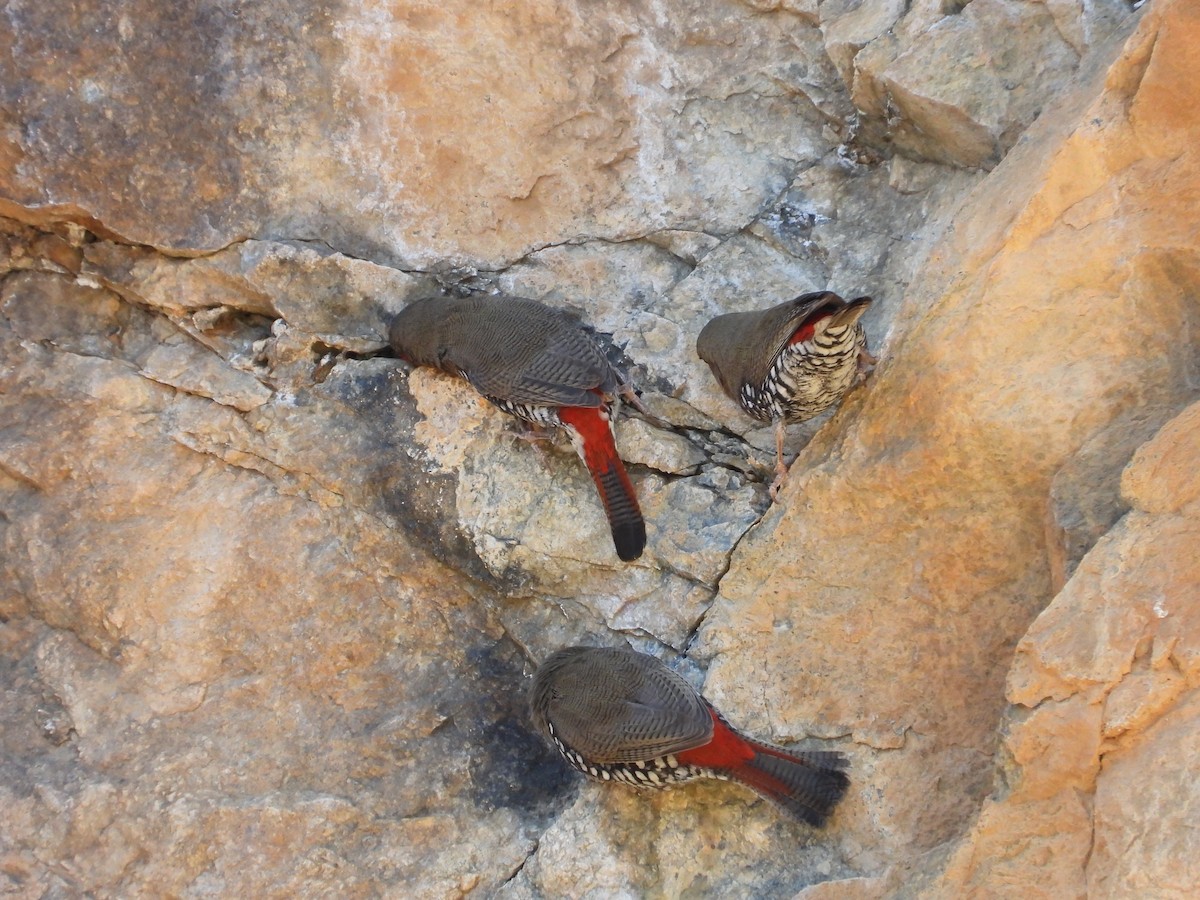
<point>661,772</point>
<point>548,415</point>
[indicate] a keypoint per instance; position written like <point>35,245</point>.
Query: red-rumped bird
<point>789,363</point>
<point>619,715</point>
<point>538,364</point>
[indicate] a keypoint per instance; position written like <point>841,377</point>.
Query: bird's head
<point>417,333</point>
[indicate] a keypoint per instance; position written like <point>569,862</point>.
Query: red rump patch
<point>595,444</point>
<point>809,326</point>
<point>730,752</point>
<point>726,750</point>
<point>591,422</point>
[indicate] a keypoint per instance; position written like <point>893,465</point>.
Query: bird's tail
<point>593,440</point>
<point>806,784</point>
<point>849,314</point>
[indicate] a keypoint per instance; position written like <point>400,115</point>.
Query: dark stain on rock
<point>396,480</point>
<point>37,750</point>
<point>511,766</point>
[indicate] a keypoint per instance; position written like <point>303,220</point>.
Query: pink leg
<point>781,470</point>
<point>537,436</point>
<point>629,396</point>
<point>866,365</point>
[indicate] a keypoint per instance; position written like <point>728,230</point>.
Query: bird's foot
<point>866,365</point>
<point>629,395</point>
<point>781,476</point>
<point>533,434</point>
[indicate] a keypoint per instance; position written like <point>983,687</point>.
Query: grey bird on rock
<point>619,715</point>
<point>789,363</point>
<point>538,364</point>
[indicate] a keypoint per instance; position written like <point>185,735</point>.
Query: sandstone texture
<point>270,598</point>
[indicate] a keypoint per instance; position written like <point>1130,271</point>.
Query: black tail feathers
<point>807,785</point>
<point>621,507</point>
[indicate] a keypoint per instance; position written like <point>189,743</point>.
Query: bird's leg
<point>628,395</point>
<point>781,470</point>
<point>866,365</point>
<point>537,436</point>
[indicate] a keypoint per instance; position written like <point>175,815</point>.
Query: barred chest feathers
<point>807,377</point>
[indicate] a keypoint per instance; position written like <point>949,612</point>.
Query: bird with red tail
<point>619,715</point>
<point>789,363</point>
<point>538,364</point>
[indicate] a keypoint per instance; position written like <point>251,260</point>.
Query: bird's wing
<point>622,731</point>
<point>565,368</point>
<point>571,368</point>
<point>647,712</point>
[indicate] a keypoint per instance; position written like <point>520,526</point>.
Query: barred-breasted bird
<point>619,715</point>
<point>788,363</point>
<point>539,364</point>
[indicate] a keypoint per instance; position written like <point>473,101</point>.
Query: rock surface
<point>269,598</point>
<point>428,134</point>
<point>1099,750</point>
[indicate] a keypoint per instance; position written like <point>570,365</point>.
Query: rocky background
<point>270,600</point>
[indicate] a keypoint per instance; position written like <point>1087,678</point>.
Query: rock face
<point>270,598</point>
<point>1099,749</point>
<point>415,132</point>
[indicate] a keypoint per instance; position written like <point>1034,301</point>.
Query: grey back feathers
<point>509,348</point>
<point>741,348</point>
<point>617,706</point>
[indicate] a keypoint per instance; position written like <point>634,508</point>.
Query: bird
<point>540,365</point>
<point>788,363</point>
<point>618,715</point>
